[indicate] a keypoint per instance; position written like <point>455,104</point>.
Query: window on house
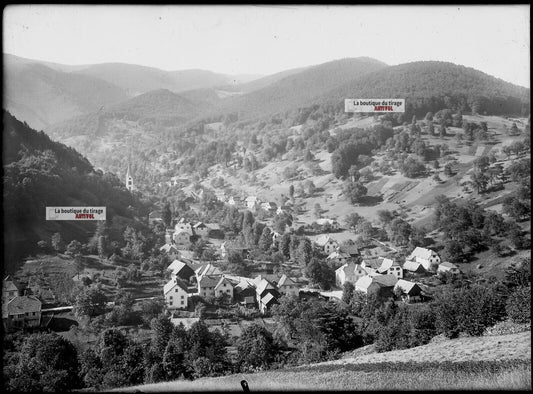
<point>176,290</point>
<point>181,302</point>
<point>182,297</point>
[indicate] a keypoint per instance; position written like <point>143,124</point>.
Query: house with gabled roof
<point>414,267</point>
<point>201,229</point>
<point>269,206</point>
<point>448,267</point>
<point>23,311</point>
<point>389,266</point>
<point>328,244</point>
<point>266,294</point>
<point>244,293</point>
<point>349,272</point>
<point>377,284</point>
<point>426,257</point>
<point>181,270</point>
<point>207,269</point>
<point>410,291</point>
<point>207,284</point>
<point>338,257</point>
<point>287,286</point>
<point>183,225</point>
<point>350,249</point>
<point>170,250</point>
<point>176,293</point>
<point>334,225</point>
<point>224,286</point>
<point>11,288</point>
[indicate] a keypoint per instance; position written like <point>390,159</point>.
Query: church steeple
<point>129,180</point>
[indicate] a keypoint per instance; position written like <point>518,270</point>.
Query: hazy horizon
<point>264,40</point>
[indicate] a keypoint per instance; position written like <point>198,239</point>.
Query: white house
<point>182,225</point>
<point>327,243</point>
<point>207,284</point>
<point>252,202</point>
<point>349,272</point>
<point>175,292</point>
<point>182,238</point>
<point>424,256</point>
<point>269,206</point>
<point>224,286</point>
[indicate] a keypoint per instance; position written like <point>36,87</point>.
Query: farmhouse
<point>266,294</point>
<point>224,286</point>
<point>349,272</point>
<point>181,270</point>
<point>327,243</point>
<point>367,285</point>
<point>413,266</point>
<point>252,202</point>
<point>424,256</point>
<point>10,289</point>
<point>182,238</point>
<point>338,257</point>
<point>389,266</point>
<point>334,225</point>
<point>448,267</point>
<point>201,229</point>
<point>207,284</point>
<point>269,206</point>
<point>287,286</point>
<point>183,225</point>
<point>23,311</point>
<point>176,295</point>
<point>170,250</point>
<point>410,291</point>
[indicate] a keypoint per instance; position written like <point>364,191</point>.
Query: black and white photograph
<point>266,197</point>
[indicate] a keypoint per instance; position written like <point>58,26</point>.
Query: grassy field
<point>494,362</point>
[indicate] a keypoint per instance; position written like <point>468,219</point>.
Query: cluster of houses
<point>253,203</point>
<point>207,281</point>
<point>385,277</point>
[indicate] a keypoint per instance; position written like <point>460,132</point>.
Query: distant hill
<point>263,82</point>
<point>300,88</point>
<point>39,172</point>
<point>137,79</point>
<point>431,85</point>
<point>43,93</point>
<point>42,96</point>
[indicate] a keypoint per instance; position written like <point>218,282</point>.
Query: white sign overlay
<point>374,105</point>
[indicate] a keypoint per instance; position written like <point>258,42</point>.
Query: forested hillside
<point>39,172</point>
<point>431,85</point>
<point>299,89</point>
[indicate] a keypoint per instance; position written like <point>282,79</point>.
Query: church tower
<point>129,180</point>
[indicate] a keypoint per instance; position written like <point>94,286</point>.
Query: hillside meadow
<point>481,363</point>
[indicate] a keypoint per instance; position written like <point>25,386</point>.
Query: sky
<point>268,39</point>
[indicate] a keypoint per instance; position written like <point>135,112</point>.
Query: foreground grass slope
<point>490,362</point>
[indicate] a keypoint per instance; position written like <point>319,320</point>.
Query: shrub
<point>518,305</point>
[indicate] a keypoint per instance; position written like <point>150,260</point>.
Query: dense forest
<point>39,172</point>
